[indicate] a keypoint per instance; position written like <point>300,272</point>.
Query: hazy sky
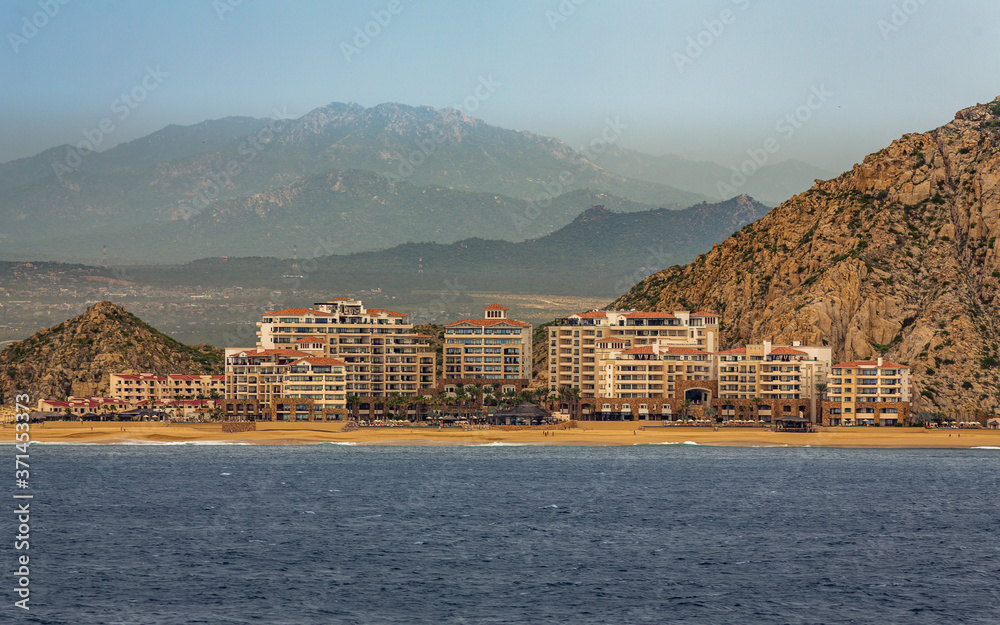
<point>561,68</point>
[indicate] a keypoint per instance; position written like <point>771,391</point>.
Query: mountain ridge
<point>896,257</point>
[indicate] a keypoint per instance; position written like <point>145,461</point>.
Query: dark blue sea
<point>653,534</point>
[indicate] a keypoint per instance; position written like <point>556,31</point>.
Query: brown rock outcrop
<point>82,353</point>
<point>897,257</point>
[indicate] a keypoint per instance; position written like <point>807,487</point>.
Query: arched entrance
<point>698,396</point>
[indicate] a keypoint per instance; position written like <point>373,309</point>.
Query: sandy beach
<point>588,433</point>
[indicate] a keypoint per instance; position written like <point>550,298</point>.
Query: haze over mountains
<point>600,253</point>
<point>354,178</point>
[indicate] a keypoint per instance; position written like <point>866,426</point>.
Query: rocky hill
<point>898,257</point>
<point>85,350</point>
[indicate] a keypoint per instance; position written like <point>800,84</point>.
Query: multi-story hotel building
<point>653,373</point>
<point>771,381</point>
<point>868,392</point>
<point>383,352</point>
<point>576,344</point>
<point>284,384</point>
<point>140,388</point>
<point>492,348</point>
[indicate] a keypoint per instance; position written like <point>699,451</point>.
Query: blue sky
<point>562,67</point>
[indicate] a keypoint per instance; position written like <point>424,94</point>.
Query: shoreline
<point>589,434</point>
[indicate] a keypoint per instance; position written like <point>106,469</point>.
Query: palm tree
<point>684,409</point>
<point>353,403</point>
<point>822,388</point>
<point>710,412</point>
<point>461,397</point>
<point>574,401</point>
<point>756,401</point>
<point>395,400</point>
<point>510,396</point>
<point>476,394</point>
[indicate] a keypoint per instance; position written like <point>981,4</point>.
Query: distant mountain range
<point>350,177</point>
<point>772,184</point>
<point>599,253</point>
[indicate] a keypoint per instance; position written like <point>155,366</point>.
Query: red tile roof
<point>496,307</point>
<point>615,339</point>
<point>489,322</point>
<point>686,350</point>
<point>299,311</point>
<point>594,314</point>
<point>788,351</point>
<point>317,360</point>
<point>869,364</point>
<point>310,339</point>
<point>645,349</point>
<point>738,350</point>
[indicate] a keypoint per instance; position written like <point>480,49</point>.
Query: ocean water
<point>496,534</point>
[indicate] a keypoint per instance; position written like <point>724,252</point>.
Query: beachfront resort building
<point>147,388</point>
<point>307,361</point>
<point>578,343</point>
<point>494,350</point>
<point>765,382</point>
<point>283,385</point>
<point>868,392</point>
<point>384,354</point>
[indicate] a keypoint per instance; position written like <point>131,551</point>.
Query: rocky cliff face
<point>85,350</point>
<point>898,256</point>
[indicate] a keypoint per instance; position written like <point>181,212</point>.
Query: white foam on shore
<point>670,443</point>
<point>337,443</point>
<point>498,444</point>
<point>984,447</point>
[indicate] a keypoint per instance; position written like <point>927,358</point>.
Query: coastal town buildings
<point>384,354</point>
<point>577,343</point>
<point>868,392</point>
<point>765,382</point>
<point>100,408</point>
<point>138,388</point>
<point>307,362</point>
<point>659,365</point>
<point>494,350</point>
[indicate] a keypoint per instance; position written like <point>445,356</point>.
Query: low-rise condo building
<point>139,388</point>
<point>284,384</point>
<point>868,392</point>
